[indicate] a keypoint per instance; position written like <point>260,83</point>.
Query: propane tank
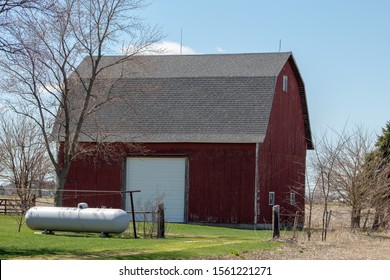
<point>77,219</point>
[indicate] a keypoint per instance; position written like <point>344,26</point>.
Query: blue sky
<point>342,47</point>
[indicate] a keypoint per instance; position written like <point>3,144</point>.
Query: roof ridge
<point>210,65</point>
<point>202,54</point>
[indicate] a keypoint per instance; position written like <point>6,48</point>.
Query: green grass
<point>183,242</point>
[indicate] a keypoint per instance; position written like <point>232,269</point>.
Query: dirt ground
<point>339,246</point>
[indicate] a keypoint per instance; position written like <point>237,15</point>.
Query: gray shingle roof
<point>189,66</point>
<point>187,98</point>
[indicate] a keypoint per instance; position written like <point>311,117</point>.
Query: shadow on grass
<point>178,254</point>
<point>48,254</point>
<point>194,253</point>
<point>32,254</point>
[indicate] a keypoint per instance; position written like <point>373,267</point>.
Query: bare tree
<point>340,164</point>
<point>9,5</point>
<point>8,11</point>
<point>24,160</point>
<point>311,188</point>
<point>323,162</point>
<point>43,75</point>
<point>348,178</point>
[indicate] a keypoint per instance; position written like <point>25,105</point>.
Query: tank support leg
<point>104,235</point>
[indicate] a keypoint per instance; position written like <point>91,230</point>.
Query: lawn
<point>182,241</point>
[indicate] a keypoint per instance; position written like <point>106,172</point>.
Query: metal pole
<point>132,214</point>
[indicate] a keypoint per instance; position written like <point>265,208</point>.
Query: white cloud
<point>220,49</point>
<point>170,47</point>
<point>163,47</point>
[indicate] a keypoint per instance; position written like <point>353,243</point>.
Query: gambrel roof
<point>223,98</point>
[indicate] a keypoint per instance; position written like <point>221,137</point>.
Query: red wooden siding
<point>220,180</point>
<point>94,174</point>
<point>283,153</point>
<point>220,177</point>
<point>221,183</point>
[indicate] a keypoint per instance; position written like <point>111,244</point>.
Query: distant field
<point>340,217</point>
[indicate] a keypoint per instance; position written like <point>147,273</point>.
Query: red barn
<point>225,138</point>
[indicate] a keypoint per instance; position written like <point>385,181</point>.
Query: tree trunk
<point>355,218</point>
<point>366,220</point>
<point>309,223</point>
<point>375,224</point>
<point>324,220</point>
<point>60,186</point>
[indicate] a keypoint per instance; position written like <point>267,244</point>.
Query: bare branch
<point>42,75</point>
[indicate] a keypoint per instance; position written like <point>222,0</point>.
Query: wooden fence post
<point>276,221</point>
<point>161,221</point>
<point>296,220</point>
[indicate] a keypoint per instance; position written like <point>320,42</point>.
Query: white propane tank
<point>77,219</point>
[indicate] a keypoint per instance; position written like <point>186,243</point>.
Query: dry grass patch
<point>341,245</point>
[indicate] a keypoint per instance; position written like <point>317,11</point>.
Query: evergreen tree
<point>383,143</point>
<point>380,160</point>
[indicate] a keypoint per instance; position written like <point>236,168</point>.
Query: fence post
<point>275,221</point>
<point>132,214</point>
<point>161,221</point>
